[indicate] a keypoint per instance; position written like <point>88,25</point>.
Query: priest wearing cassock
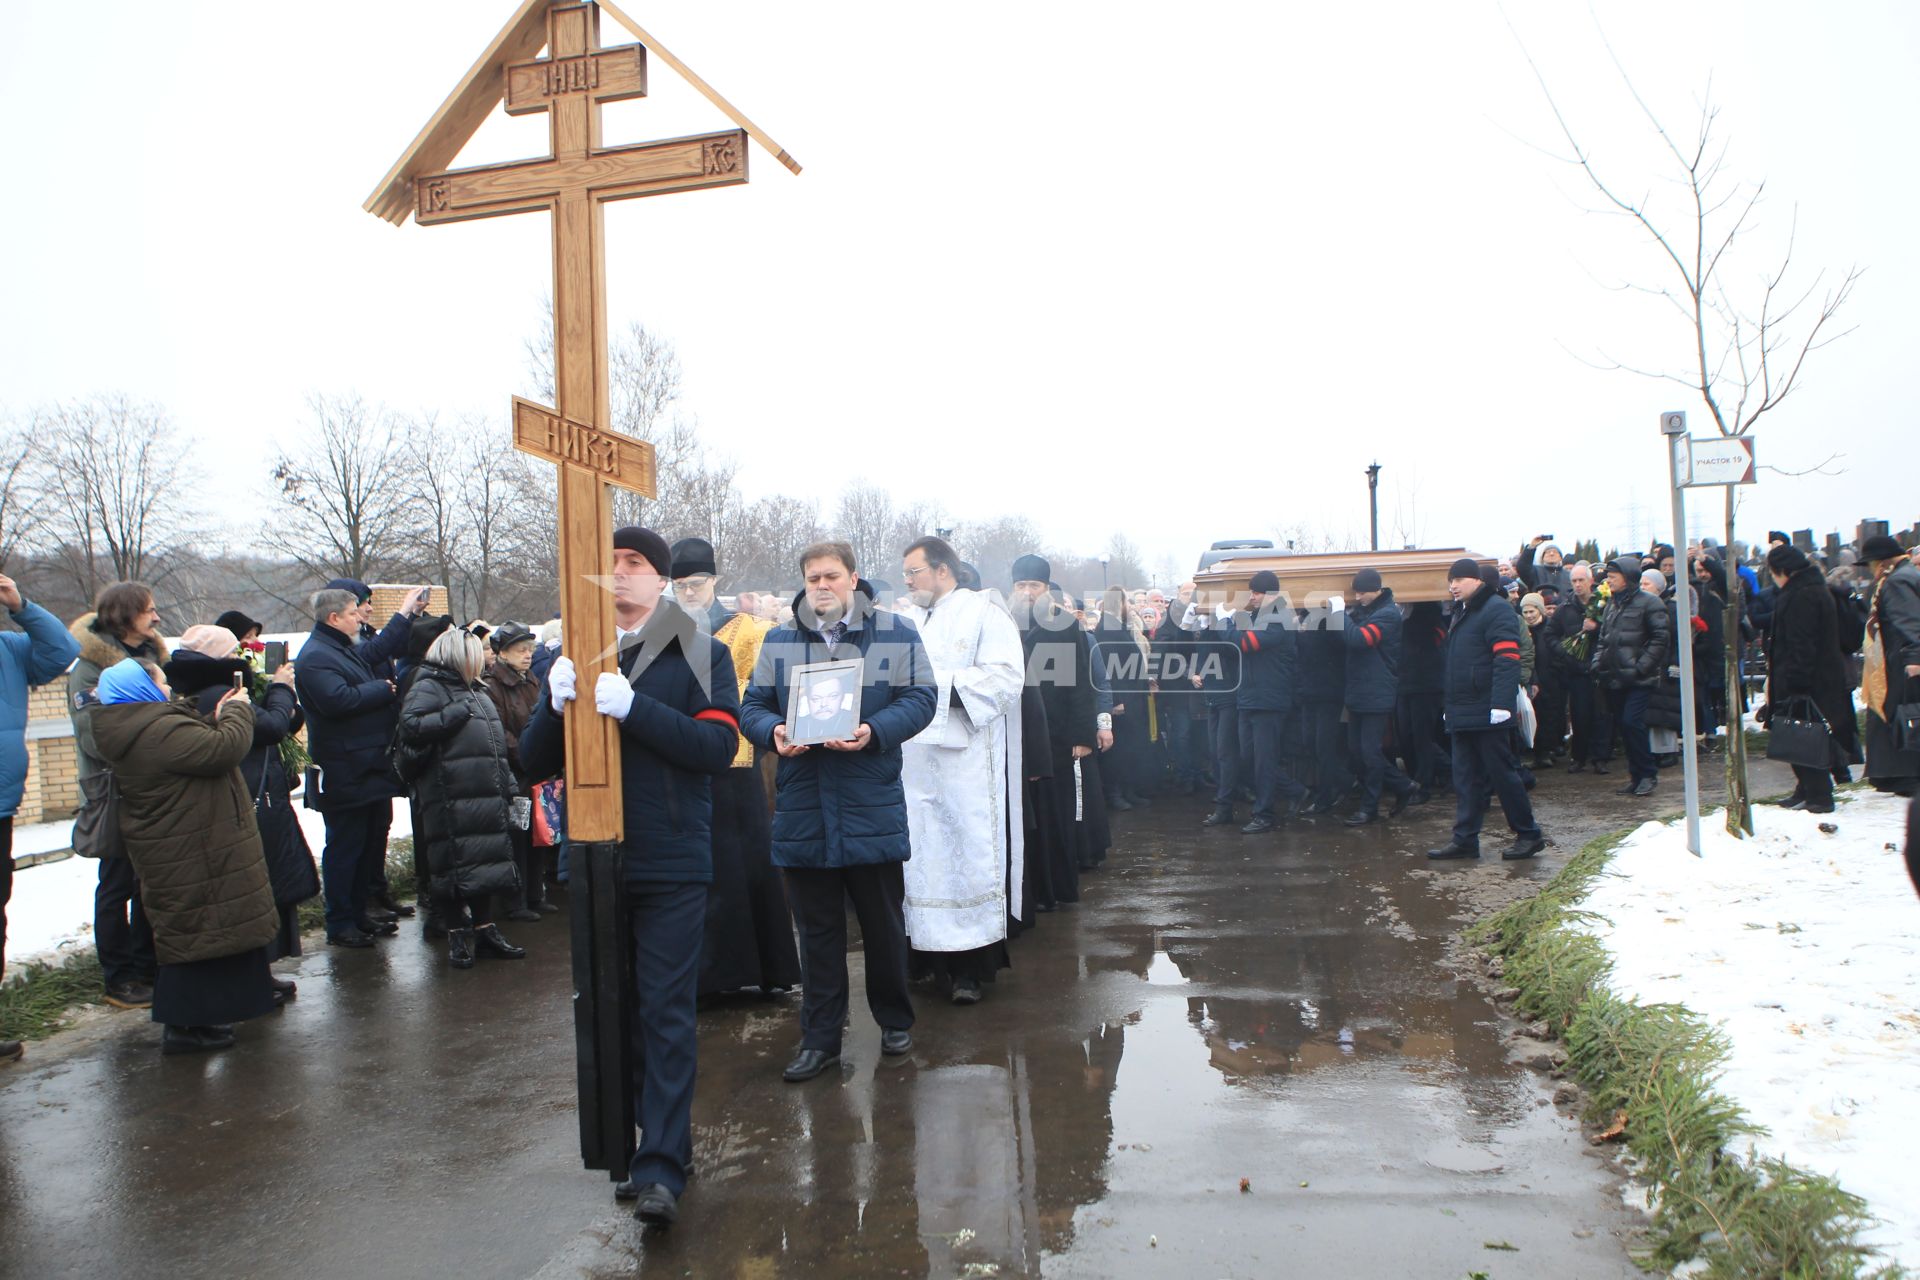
<point>1061,798</point>
<point>963,778</point>
<point>749,932</point>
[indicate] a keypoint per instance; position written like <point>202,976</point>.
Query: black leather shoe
<point>657,1206</point>
<point>809,1063</point>
<point>460,948</point>
<point>1220,817</point>
<point>1645,786</point>
<point>1294,807</point>
<point>404,910</point>
<point>178,1040</point>
<point>1417,797</point>
<point>1523,848</point>
<point>1817,806</point>
<point>524,915</point>
<point>966,991</point>
<point>1399,805</point>
<point>1317,808</point>
<point>379,916</point>
<point>130,995</point>
<point>1629,789</point>
<point>488,939</point>
<point>1578,766</point>
<point>1361,818</point>
<point>625,1192</point>
<point>1598,766</point>
<point>895,1043</point>
<point>377,928</point>
<point>1449,851</point>
<point>1259,826</point>
<point>351,938</point>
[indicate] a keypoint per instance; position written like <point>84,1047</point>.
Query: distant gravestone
<point>1803,540</point>
<point>1832,548</point>
<point>1871,529</point>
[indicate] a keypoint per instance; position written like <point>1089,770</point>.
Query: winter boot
<point>460,948</point>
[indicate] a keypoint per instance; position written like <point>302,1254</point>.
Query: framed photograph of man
<point>824,705</point>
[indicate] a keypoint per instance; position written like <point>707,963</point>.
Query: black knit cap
<point>651,546</point>
<point>1787,560</point>
<point>1266,581</point>
<point>1032,568</point>
<point>1880,547</point>
<point>1367,580</point>
<point>691,556</point>
<point>1464,567</point>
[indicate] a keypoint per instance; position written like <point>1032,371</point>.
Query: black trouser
<point>122,938</point>
<point>1366,741</point>
<point>1815,786</point>
<point>1417,718</point>
<point>1629,708</point>
<point>1592,722</point>
<point>531,864</point>
<point>356,846</point>
<point>1132,754</point>
<point>819,899</point>
<point>1483,767</point>
<point>1550,709</point>
<point>1223,725</point>
<point>668,922</point>
<point>1177,728</point>
<point>1327,739</point>
<point>1266,732</point>
<point>6,885</point>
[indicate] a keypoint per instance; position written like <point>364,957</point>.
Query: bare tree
<point>491,495</point>
<point>20,512</point>
<point>1746,338</point>
<point>434,522</point>
<point>762,550</point>
<point>114,487</point>
<point>342,495</point>
<point>865,519</point>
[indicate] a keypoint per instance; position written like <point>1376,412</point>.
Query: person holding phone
<point>190,834</point>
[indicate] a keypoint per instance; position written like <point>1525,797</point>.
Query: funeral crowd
<point>949,758</point>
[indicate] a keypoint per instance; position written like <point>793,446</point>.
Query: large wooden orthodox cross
<point>574,185</point>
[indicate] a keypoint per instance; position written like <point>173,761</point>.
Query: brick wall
<point>387,597</point>
<point>53,780</point>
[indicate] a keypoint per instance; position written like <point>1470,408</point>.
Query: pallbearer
<point>678,709</point>
<point>749,938</point>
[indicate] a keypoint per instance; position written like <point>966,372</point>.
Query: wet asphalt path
<point>1217,1007</point>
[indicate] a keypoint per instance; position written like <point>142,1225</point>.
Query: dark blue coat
<point>1218,657</point>
<point>36,654</point>
<point>1483,663</point>
<point>1269,658</point>
<point>843,808</point>
<point>1322,663</point>
<point>350,715</point>
<point>682,730</point>
<point>1423,650</point>
<point>1372,639</point>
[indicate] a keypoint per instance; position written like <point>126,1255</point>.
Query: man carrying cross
<point>677,708</point>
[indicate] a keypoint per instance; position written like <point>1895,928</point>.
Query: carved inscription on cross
<point>574,185</point>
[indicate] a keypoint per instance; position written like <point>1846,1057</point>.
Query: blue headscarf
<point>127,681</point>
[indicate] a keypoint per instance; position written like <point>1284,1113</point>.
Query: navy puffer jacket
<point>1269,657</point>
<point>843,808</point>
<point>1372,637</point>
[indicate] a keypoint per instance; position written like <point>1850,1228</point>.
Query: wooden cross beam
<point>574,185</point>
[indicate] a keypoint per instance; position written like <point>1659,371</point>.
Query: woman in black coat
<point>452,752</point>
<point>1804,662</point>
<point>198,675</point>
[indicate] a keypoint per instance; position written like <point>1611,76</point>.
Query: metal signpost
<point>1694,464</point>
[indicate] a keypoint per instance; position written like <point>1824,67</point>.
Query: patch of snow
<point>52,909</point>
<point>1803,946</point>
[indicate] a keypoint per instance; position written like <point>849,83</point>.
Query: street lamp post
<point>1373,504</point>
<point>1103,573</point>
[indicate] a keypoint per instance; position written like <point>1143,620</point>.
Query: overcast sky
<point>1179,271</point>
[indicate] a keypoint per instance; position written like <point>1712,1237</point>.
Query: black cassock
<point>749,932</point>
<point>1058,807</point>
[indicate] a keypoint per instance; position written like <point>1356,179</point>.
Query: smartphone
<point>239,680</point>
<point>275,655</point>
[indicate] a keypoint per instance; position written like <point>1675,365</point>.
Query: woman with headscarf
<point>202,672</point>
<point>187,819</point>
<point>453,753</point>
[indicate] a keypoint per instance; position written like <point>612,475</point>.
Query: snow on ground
<point>1804,947</point>
<point>52,907</point>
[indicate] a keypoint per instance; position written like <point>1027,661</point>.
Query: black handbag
<point>1906,726</point>
<point>96,827</point>
<point>1801,736</point>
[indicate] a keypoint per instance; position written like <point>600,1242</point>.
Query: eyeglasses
<point>911,574</point>
<point>695,580</point>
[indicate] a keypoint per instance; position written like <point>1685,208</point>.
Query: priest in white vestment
<point>962,778</point>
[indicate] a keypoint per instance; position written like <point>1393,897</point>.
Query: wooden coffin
<point>1413,576</point>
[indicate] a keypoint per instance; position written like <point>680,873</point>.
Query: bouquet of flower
<point>293,747</point>
<point>1579,646</point>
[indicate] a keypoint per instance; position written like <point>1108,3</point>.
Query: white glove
<point>1501,717</point>
<point>561,681</point>
<point>612,695</point>
<point>1336,603</point>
